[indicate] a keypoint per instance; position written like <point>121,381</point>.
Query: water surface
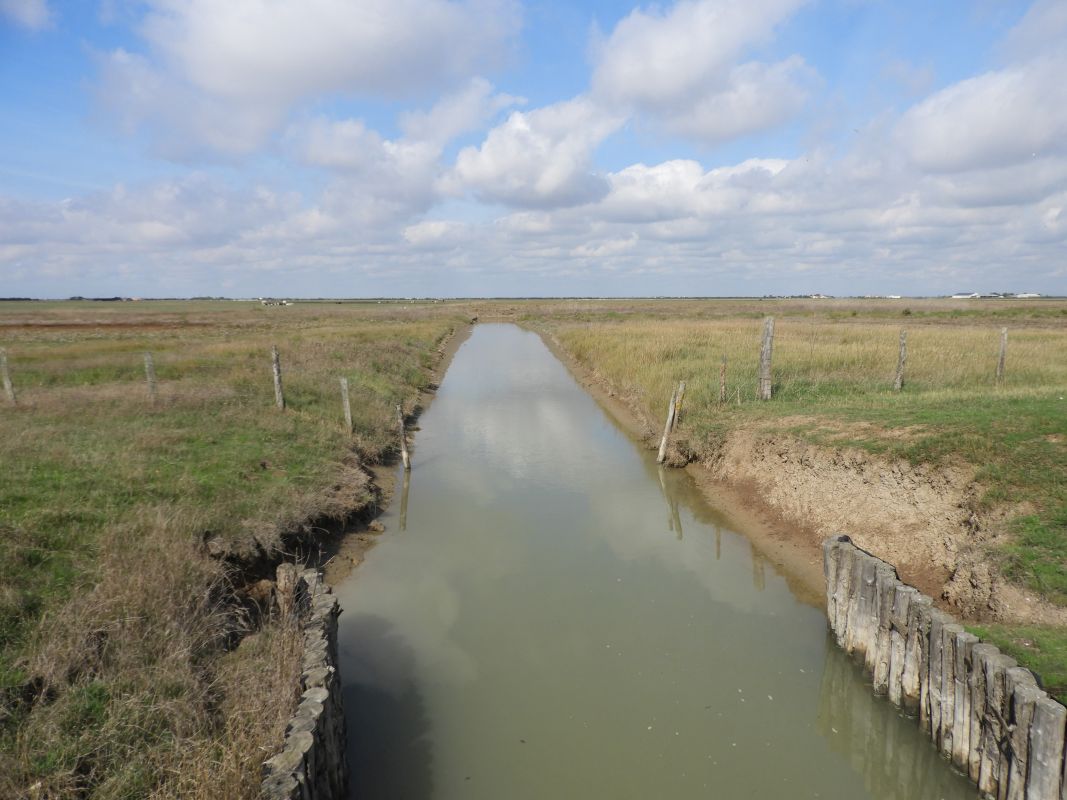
<point>559,618</point>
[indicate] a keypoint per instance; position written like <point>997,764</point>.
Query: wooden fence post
<point>1003,354</point>
<point>765,359</point>
<point>403,438</point>
<point>346,405</point>
<point>279,398</point>
<point>150,376</point>
<point>722,380</point>
<point>672,415</point>
<point>9,388</point>
<point>902,359</point>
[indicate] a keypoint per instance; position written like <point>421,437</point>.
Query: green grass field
<point>112,676</point>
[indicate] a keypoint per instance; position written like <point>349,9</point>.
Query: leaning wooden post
<point>1003,354</point>
<point>672,416</point>
<point>150,376</point>
<point>279,398</point>
<point>662,454</point>
<point>902,358</point>
<point>345,405</point>
<point>765,359</point>
<point>9,388</point>
<point>722,380</point>
<point>403,438</point>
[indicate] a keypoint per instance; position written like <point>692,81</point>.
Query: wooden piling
<point>962,645</point>
<point>150,376</point>
<point>898,635</point>
<point>276,368</point>
<point>902,358</point>
<point>984,712</point>
<point>766,348</point>
<point>403,438</point>
<point>1046,763</point>
<point>949,634</point>
<point>993,727</point>
<point>980,653</point>
<point>1022,690</point>
<point>346,406</point>
<point>879,654</point>
<point>915,648</point>
<point>1003,354</point>
<point>5,374</point>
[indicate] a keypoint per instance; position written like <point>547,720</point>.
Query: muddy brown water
<point>550,615</point>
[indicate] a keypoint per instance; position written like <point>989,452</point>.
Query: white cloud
<point>756,97</point>
<point>32,14</point>
<point>680,65</point>
<point>1042,29</point>
<point>542,158</point>
<point>405,169</point>
<point>454,114</point>
<point>1000,118</point>
<point>256,60</point>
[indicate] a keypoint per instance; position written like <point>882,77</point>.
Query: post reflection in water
<point>404,500</point>
<point>674,520</point>
<point>543,630</point>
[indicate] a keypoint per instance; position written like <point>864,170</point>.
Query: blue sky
<point>490,147</point>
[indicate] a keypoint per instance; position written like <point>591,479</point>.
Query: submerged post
<point>1003,354</point>
<point>346,405</point>
<point>403,438</point>
<point>902,359</point>
<point>766,347</point>
<point>672,416</point>
<point>279,398</point>
<point>722,380</point>
<point>150,376</point>
<point>9,388</point>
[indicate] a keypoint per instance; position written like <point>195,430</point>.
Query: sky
<point>457,148</point>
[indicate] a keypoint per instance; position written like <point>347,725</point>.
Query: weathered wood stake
<point>722,379</point>
<point>346,406</point>
<point>902,358</point>
<point>403,438</point>
<point>672,415</point>
<point>1046,749</point>
<point>1003,354</point>
<point>9,388</point>
<point>766,347</point>
<point>279,398</point>
<point>150,376</point>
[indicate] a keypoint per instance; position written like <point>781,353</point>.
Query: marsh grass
<point>114,675</point>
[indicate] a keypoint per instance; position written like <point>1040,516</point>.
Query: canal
<point>550,615</point>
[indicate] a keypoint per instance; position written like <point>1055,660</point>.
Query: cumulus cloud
<point>32,14</point>
<point>257,60</point>
<point>680,65</point>
<point>978,122</point>
<point>538,159</point>
<point>404,169</point>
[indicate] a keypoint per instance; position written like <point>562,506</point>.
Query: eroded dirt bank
<point>788,495</point>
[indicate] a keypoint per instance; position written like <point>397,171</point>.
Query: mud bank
<point>789,495</point>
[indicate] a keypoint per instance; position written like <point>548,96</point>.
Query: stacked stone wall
<point>311,765</point>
